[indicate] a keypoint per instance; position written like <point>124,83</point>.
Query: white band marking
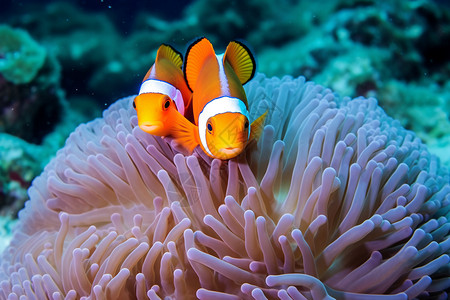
<point>219,106</point>
<point>222,76</point>
<point>162,87</point>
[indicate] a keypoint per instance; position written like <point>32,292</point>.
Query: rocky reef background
<point>62,63</point>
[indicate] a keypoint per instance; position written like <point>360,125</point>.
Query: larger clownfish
<point>163,93</point>
<point>220,109</point>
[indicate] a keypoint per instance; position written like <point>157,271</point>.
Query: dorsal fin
<point>241,60</point>
<point>196,55</point>
<point>168,52</point>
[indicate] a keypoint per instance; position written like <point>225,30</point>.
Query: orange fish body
<point>219,103</point>
<point>163,94</point>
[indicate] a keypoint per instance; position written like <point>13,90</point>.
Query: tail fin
<point>257,127</point>
<point>168,52</point>
<point>184,132</point>
<point>196,54</point>
<point>241,60</point>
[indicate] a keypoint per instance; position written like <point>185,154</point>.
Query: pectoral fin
<point>184,132</point>
<point>257,126</point>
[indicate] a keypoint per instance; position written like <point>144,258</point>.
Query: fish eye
<point>246,125</point>
<point>166,104</point>
<point>134,104</point>
<point>210,128</point>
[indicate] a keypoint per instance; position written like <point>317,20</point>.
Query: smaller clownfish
<point>163,93</point>
<point>220,109</point>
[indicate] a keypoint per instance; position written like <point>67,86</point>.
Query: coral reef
<point>30,95</point>
<point>389,50</point>
<point>335,200</point>
<point>82,43</point>
<point>78,39</point>
<point>21,161</point>
<point>20,56</point>
<point>20,164</point>
<point>424,110</point>
<point>32,103</point>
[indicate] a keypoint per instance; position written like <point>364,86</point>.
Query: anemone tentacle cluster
<point>335,200</point>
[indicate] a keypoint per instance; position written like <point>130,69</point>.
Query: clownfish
<point>163,93</point>
<point>219,103</point>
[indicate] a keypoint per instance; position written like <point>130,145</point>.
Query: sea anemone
<point>335,199</point>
